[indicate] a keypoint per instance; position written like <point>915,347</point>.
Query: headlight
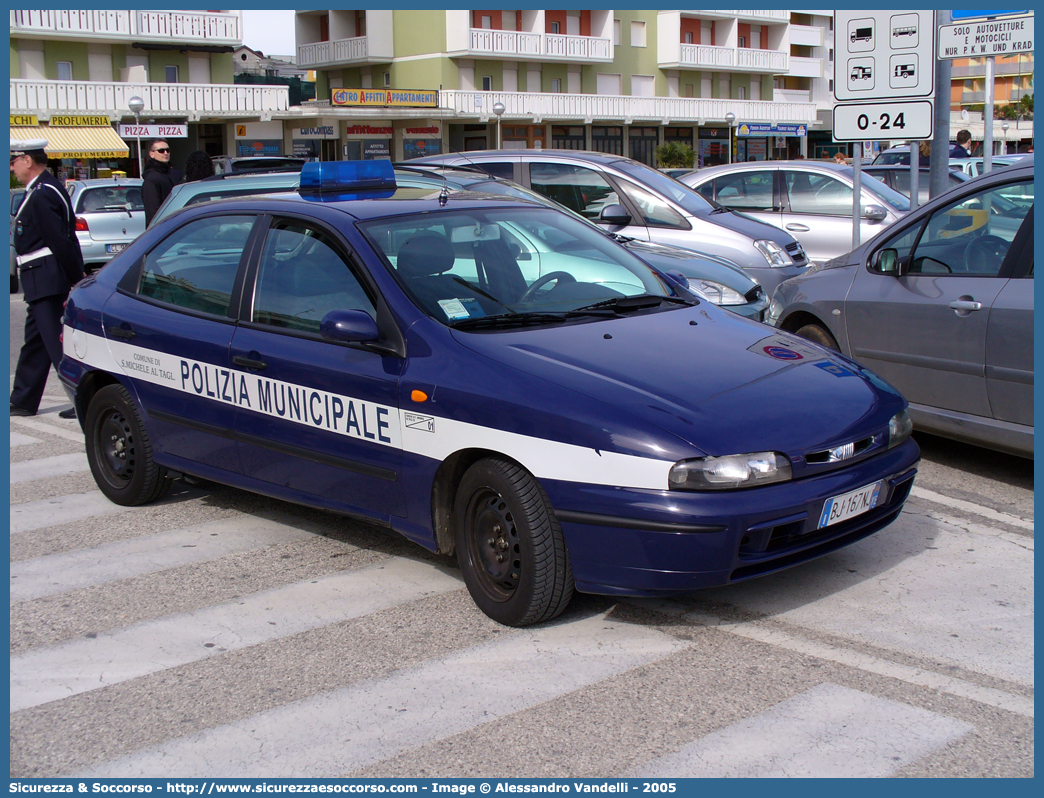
<point>775,311</point>
<point>899,428</point>
<point>776,256</point>
<point>717,293</point>
<point>731,471</point>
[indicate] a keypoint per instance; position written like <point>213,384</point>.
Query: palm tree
<point>674,155</point>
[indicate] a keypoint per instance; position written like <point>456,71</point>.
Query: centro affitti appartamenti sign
<point>415,98</point>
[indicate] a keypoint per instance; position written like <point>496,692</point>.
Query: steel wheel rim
<point>115,443</point>
<point>491,533</point>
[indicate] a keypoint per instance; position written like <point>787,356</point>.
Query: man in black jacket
<point>962,149</point>
<point>158,178</point>
<point>50,263</point>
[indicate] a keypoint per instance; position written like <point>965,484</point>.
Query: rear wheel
<point>118,450</point>
<point>820,335</point>
<point>509,545</point>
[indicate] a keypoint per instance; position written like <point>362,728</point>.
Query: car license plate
<point>849,505</point>
<point>114,248</point>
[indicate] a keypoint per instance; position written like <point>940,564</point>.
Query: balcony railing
<point>338,51</point>
<point>806,35</point>
<point>791,96</point>
<point>161,99</point>
<point>181,26</point>
<point>738,58</point>
<point>535,108</point>
<point>484,41</point>
<point>806,67</point>
<point>704,55</point>
<point>773,16</point>
<point>761,60</point>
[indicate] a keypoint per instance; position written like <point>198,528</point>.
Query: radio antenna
<point>444,195</point>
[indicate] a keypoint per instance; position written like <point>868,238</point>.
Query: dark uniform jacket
<point>46,219</point>
<point>158,180</point>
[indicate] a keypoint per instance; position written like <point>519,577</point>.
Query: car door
<point>585,191</point>
<point>1009,336</point>
<point>925,329</point>
<point>169,328</point>
<point>325,422</point>
<point>750,191</point>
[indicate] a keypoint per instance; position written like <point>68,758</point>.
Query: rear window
<point>110,199</point>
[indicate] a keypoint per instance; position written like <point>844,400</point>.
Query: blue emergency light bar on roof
<point>346,176</point>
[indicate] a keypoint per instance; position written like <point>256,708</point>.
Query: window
<point>195,266</point>
<point>742,41</point>
<point>554,27</point>
<point>65,70</point>
<point>637,34</point>
<point>741,92</point>
<point>578,188</point>
<point>819,194</point>
<point>616,32</point>
<point>498,169</point>
<point>171,73</point>
<point>654,210</point>
<point>110,199</point>
<point>301,278</point>
<point>643,85</point>
<point>387,79</point>
<point>743,191</point>
<point>556,85</point>
<point>487,83</point>
<point>486,22</point>
<point>688,37</point>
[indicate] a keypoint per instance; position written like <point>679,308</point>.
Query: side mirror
<point>886,261</point>
<point>615,214</point>
<point>874,213</point>
<point>349,327</point>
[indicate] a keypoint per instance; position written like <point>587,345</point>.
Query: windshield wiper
<point>624,304</point>
<point>530,319</point>
<point>721,209</point>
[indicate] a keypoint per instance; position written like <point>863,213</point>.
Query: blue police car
<point>485,376</point>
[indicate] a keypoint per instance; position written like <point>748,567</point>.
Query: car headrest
<point>425,255</point>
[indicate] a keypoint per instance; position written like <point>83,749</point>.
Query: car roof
<point>107,181</point>
<point>575,155</point>
<point>824,166</point>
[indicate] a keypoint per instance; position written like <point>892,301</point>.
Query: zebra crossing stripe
<point>57,466</point>
<point>60,573</point>
<point>342,730</point>
<point>75,434</point>
<point>18,439</point>
<point>61,510</point>
<point>828,731</point>
<point>49,674</point>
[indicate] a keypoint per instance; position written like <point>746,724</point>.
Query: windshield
<point>515,265</point>
<point>678,193</point>
<point>110,199</point>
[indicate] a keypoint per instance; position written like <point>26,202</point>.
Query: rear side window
<point>746,191</point>
<point>502,169</point>
<point>110,199</point>
<point>195,266</point>
<point>578,188</point>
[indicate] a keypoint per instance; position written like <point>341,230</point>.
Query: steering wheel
<point>562,277</point>
<point>984,254</point>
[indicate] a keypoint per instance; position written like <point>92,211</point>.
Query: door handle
<point>246,362</point>
<point>797,228</point>
<point>965,305</point>
<point>120,332</point>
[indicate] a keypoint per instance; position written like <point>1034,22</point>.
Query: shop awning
<point>76,142</point>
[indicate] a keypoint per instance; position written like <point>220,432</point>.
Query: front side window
<point>511,263</point>
<point>578,188</point>
<point>745,191</point>
<point>195,266</point>
<point>302,277</point>
<point>817,194</point>
<point>654,210</point>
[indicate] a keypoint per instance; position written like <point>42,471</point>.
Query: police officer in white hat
<point>50,263</point>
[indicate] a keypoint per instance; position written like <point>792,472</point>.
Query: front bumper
<point>646,543</point>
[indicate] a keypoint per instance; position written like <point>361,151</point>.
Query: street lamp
<point>498,109</point>
<point>1004,127</point>
<point>730,118</point>
<point>136,106</point>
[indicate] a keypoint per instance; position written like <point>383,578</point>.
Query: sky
<point>271,32</point>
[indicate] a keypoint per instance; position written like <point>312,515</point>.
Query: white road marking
<point>969,507</point>
<point>57,466</point>
<point>17,439</point>
<point>48,674</point>
<point>342,730</point>
<point>61,510</point>
<point>60,573</point>
<point>763,633</point>
<point>74,434</point>
<point>828,731</point>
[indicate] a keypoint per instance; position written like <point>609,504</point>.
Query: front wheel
<point>118,450</point>
<point>509,545</point>
<point>818,335</point>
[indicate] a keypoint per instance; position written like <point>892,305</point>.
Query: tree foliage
<point>674,155</point>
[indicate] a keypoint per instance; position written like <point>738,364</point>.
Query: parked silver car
<point>109,213</point>
<point>941,306</point>
<point>811,200</point>
<point>632,199</point>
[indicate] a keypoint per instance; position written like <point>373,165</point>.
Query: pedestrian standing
<point>962,148</point>
<point>50,263</point>
<point>198,166</point>
<point>158,178</point>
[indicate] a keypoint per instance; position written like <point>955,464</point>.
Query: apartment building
<point>1012,80</point>
<point>75,72</point>
<point>404,83</point>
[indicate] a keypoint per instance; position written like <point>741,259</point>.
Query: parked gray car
<point>811,200</point>
<point>941,306</point>
<point>109,213</point>
<point>897,177</point>
<point>632,199</point>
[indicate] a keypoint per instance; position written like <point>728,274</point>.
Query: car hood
<point>750,227</point>
<point>722,383</point>
<point>691,264</point>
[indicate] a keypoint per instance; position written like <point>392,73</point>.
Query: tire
<point>818,335</point>
<point>119,451</point>
<point>501,511</point>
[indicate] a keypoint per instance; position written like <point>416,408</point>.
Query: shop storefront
<point>765,141</point>
<point>258,138</point>
<point>421,138</point>
<point>79,147</point>
<point>317,142</point>
<point>714,146</point>
<point>368,142</point>
<point>135,135</point>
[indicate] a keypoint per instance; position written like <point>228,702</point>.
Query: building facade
<point>74,73</point>
<point>599,79</point>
